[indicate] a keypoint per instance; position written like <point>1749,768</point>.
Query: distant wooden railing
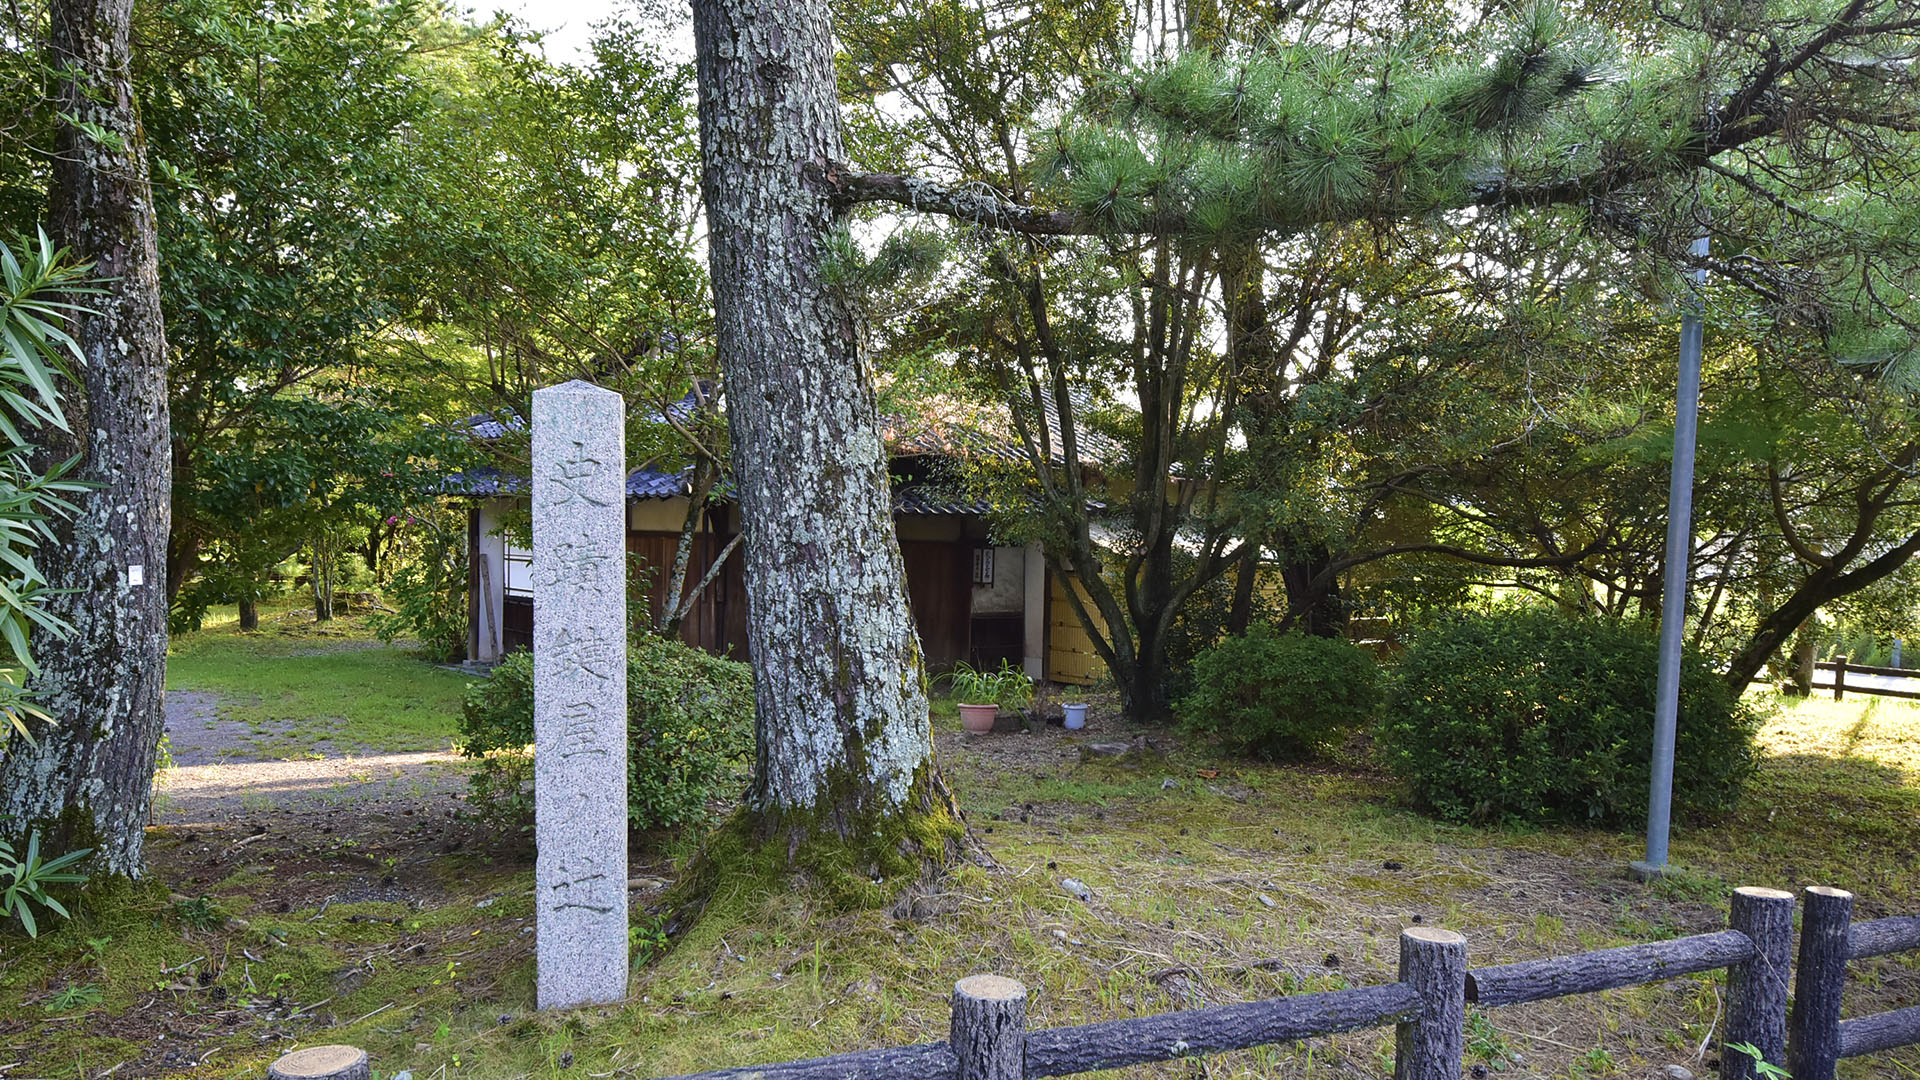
<point>988,1036</point>
<point>1840,667</point>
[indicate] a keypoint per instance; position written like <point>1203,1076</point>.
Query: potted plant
<point>982,694</point>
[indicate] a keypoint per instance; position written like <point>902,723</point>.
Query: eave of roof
<point>950,430</point>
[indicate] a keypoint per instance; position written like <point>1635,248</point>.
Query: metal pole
<point>1673,597</point>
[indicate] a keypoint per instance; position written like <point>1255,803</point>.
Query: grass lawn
<point>295,684</point>
<point>1213,880</point>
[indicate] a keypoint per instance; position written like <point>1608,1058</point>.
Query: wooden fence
<point>989,1041</point>
<point>1839,666</point>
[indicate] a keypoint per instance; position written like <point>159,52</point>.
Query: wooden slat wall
<point>719,617</point>
<point>939,590</point>
<point>1070,655</point>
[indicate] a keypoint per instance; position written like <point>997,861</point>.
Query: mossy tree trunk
<point>844,752</point>
<point>89,780</point>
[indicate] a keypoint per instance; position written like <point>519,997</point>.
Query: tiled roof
<point>950,429</point>
<point>484,481</point>
<point>936,499</point>
<point>488,428</point>
<point>652,483</point>
<point>959,429</point>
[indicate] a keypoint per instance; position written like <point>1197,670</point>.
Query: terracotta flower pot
<point>978,718</point>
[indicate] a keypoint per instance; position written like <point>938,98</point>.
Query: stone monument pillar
<point>580,693</point>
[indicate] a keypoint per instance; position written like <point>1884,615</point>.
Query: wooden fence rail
<point>988,1039</point>
<point>1840,667</point>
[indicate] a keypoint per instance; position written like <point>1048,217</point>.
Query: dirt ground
<point>218,776</point>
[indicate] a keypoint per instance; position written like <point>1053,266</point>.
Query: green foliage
<point>1279,696</point>
<point>429,591</point>
<point>74,996</point>
<point>496,726</point>
<point>34,354</point>
<point>284,198</point>
<point>1203,620</point>
<point>558,203</point>
<point>647,939</point>
<point>197,913</point>
<point>1008,686</point>
<point>1534,716</point>
<point>689,732</point>
<point>26,877</point>
<point>1242,142</point>
<point>1767,1069</point>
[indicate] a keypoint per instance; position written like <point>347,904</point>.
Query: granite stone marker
<point>580,693</point>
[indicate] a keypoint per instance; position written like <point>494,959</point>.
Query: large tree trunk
<point>1313,597</point>
<point>89,781</point>
<point>843,742</point>
<point>1821,587</point>
<point>1246,578</point>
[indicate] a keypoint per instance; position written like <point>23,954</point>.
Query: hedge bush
<point>689,734</point>
<point>1535,716</point>
<point>1272,696</point>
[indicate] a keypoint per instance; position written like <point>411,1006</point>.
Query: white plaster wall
<point>1007,594</point>
<point>660,515</point>
<point>1034,582</point>
<point>484,635</point>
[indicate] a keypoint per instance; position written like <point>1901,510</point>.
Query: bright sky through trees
<point>568,25</point>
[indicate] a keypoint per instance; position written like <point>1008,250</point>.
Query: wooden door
<point>940,592</point>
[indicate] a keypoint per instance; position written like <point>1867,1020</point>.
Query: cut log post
<point>1839,677</point>
<point>1428,1045</point>
<point>1813,1031</point>
<point>322,1063</point>
<point>1757,989</point>
<point>989,1032</point>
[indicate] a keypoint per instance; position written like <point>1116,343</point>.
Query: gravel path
<point>218,774</point>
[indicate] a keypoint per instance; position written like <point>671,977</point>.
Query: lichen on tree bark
<point>843,742</point>
<point>89,780</point>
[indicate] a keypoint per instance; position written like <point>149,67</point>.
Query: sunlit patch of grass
<point>1836,802</point>
<point>296,683</point>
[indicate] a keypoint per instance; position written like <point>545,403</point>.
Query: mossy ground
<point>1232,882</point>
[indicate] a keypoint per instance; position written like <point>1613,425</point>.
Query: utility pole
<point>1673,597</point>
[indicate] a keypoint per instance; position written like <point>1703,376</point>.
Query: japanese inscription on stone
<point>580,694</point>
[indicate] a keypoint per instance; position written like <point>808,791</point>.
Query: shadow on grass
<point>1813,818</point>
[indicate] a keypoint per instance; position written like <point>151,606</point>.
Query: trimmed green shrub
<point>1271,695</point>
<point>1535,716</point>
<point>689,734</point>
